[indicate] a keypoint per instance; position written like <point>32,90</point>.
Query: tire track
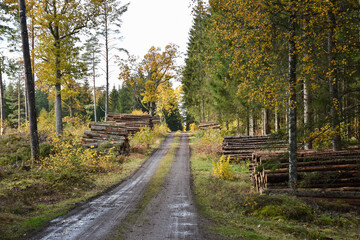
<point>172,214</point>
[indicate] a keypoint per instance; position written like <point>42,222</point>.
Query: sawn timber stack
<point>133,122</point>
<point>327,174</point>
<point>241,148</point>
<point>107,133</point>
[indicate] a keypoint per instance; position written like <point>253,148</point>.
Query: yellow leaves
<point>138,112</point>
<point>222,168</point>
<point>151,76</point>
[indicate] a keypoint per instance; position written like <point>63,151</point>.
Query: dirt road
<point>170,215</point>
<point>97,218</point>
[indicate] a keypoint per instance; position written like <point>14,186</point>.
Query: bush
<point>70,160</point>
<point>222,169</point>
<point>209,141</point>
<point>141,140</point>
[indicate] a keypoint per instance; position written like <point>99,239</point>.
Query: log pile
<point>209,125</point>
<point>155,120</point>
<point>109,132</point>
<point>132,122</point>
<point>241,148</point>
<point>318,173</point>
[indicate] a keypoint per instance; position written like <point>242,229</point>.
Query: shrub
<point>138,112</point>
<point>209,141</point>
<point>222,169</point>
<point>160,130</point>
<point>193,127</point>
<point>70,160</point>
<point>141,140</point>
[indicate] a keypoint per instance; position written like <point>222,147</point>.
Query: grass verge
<point>234,211</point>
<point>152,189</point>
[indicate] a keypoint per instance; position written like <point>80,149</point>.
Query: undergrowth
<point>32,193</point>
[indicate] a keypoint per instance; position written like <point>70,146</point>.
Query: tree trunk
<point>292,99</point>
<point>26,99</point>
<point>19,102</point>
<point>203,109</point>
<point>151,108</point>
<point>2,102</point>
<point>247,122</point>
<point>94,77</point>
<point>266,125</point>
<point>58,103</point>
<point>238,125</point>
<point>71,112</point>
<point>107,67</point>
<point>58,110</point>
<point>29,82</point>
<point>308,115</point>
<point>333,82</point>
<point>251,123</point>
<point>277,120</point>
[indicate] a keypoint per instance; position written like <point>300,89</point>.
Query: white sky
<point>155,23</point>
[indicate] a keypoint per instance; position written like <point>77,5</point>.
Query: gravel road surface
<point>171,214</point>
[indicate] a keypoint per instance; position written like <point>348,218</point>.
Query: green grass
<point>234,211</point>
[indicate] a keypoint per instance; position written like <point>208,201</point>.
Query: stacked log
<point>109,132</point>
<point>241,148</point>
<point>209,125</point>
<point>155,120</point>
<point>318,172</point>
<point>132,122</point>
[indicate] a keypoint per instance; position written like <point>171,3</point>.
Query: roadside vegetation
<point>67,174</point>
<point>224,196</point>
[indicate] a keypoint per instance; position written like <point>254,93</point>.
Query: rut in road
<point>97,218</point>
<point>171,214</point>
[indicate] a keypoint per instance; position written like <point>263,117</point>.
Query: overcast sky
<point>156,23</point>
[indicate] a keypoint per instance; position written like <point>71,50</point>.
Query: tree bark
<point>247,122</point>
<point>266,125</point>
<point>34,140</point>
<point>107,67</point>
<point>251,123</point>
<point>277,120</point>
<point>292,99</point>
<point>308,115</point>
<point>333,81</point>
<point>71,112</point>
<point>151,108</point>
<point>58,110</point>
<point>94,77</point>
<point>58,103</point>
<point>2,102</point>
